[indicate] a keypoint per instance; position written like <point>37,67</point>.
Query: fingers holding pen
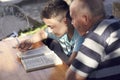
<point>25,45</point>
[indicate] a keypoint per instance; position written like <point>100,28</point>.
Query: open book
<point>39,58</point>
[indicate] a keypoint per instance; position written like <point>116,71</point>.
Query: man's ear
<point>85,19</point>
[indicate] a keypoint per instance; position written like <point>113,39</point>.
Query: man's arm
<point>76,48</point>
<point>72,57</point>
<point>71,75</point>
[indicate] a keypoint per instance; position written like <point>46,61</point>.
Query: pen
<point>17,43</point>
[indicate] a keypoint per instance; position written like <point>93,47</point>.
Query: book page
<point>39,58</point>
<point>41,62</point>
<point>43,50</point>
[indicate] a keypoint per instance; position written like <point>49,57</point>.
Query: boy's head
<point>54,16</point>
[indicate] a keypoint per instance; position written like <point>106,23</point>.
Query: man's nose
<point>72,22</point>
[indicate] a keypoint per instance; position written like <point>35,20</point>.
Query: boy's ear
<point>65,20</point>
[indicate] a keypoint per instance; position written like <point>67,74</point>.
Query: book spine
<point>32,55</point>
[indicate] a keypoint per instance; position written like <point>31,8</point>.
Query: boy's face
<point>59,28</point>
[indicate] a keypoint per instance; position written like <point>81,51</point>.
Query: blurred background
<point>18,16</point>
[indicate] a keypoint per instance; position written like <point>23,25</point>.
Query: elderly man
<point>99,55</point>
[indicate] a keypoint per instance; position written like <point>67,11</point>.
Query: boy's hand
<point>25,45</point>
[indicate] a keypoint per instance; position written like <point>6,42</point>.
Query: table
<point>12,69</point>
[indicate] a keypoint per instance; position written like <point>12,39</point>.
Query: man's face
<point>74,15</point>
<point>77,18</point>
<point>59,28</point>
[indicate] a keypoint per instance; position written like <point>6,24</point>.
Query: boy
<point>56,16</point>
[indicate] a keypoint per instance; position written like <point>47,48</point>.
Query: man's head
<point>85,13</point>
<point>54,15</point>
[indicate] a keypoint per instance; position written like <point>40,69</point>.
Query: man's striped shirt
<point>99,55</point>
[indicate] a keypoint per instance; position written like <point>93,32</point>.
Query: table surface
<point>12,69</point>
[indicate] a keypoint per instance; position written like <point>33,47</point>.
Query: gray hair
<point>92,7</point>
<point>96,7</point>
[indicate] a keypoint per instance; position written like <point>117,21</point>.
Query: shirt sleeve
<point>78,43</point>
<point>49,33</point>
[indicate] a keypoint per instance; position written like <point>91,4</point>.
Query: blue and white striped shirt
<point>99,55</point>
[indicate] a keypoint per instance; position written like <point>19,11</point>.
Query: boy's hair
<point>68,15</point>
<point>54,8</point>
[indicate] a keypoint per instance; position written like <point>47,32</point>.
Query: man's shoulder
<point>104,30</point>
<point>107,24</point>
